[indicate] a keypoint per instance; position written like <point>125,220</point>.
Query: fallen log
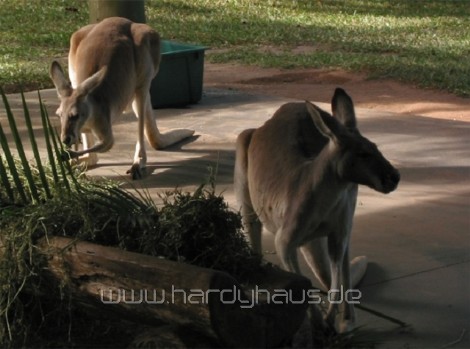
<point>152,291</point>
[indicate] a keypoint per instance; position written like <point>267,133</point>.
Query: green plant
<point>39,199</point>
<point>33,204</point>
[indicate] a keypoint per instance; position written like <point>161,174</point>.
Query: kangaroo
<point>111,64</point>
<point>298,176</point>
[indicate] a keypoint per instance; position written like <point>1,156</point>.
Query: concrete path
<point>417,239</point>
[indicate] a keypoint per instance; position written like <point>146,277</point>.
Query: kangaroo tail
<point>162,140</point>
<point>241,166</point>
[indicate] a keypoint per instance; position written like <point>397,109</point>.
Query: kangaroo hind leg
<point>160,140</point>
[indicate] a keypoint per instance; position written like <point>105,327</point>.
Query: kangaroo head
<point>75,106</point>
<point>356,159</point>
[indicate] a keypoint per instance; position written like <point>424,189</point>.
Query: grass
<point>33,33</point>
<point>423,42</point>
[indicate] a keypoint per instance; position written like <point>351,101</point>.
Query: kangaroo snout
<point>67,140</point>
<point>390,181</point>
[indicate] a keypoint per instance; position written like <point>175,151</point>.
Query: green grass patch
<point>422,42</point>
<point>33,33</point>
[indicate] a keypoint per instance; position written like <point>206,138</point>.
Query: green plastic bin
<point>179,80</point>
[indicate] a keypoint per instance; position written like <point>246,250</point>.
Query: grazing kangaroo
<point>111,64</point>
<point>298,175</point>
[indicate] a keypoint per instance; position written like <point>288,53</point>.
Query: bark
<point>131,9</point>
<point>127,284</point>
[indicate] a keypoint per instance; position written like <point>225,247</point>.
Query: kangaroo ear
<point>61,83</point>
<point>320,124</point>
<point>343,108</point>
<point>92,82</point>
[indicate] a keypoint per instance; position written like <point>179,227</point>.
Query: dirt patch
<point>318,85</point>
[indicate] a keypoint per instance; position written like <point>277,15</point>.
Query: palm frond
<point>46,127</point>
<point>6,181</point>
<point>35,149</point>
<point>21,153</point>
<point>9,158</point>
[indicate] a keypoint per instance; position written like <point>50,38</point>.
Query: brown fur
<point>111,65</point>
<point>298,175</point>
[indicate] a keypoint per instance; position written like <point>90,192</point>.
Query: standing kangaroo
<point>111,64</point>
<point>298,176</point>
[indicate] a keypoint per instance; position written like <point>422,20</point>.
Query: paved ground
<point>417,239</point>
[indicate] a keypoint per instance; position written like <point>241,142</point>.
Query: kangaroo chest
<point>314,214</point>
<point>327,212</point>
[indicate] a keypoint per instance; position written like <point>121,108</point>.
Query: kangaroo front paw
<point>67,155</point>
<point>136,172</point>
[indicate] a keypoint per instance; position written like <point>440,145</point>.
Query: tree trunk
<point>131,9</point>
<point>153,291</point>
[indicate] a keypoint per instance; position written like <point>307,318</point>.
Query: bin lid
<point>171,47</point>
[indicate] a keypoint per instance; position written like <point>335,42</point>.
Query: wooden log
<point>152,291</point>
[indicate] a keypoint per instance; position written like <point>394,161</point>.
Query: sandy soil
<point>318,85</point>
